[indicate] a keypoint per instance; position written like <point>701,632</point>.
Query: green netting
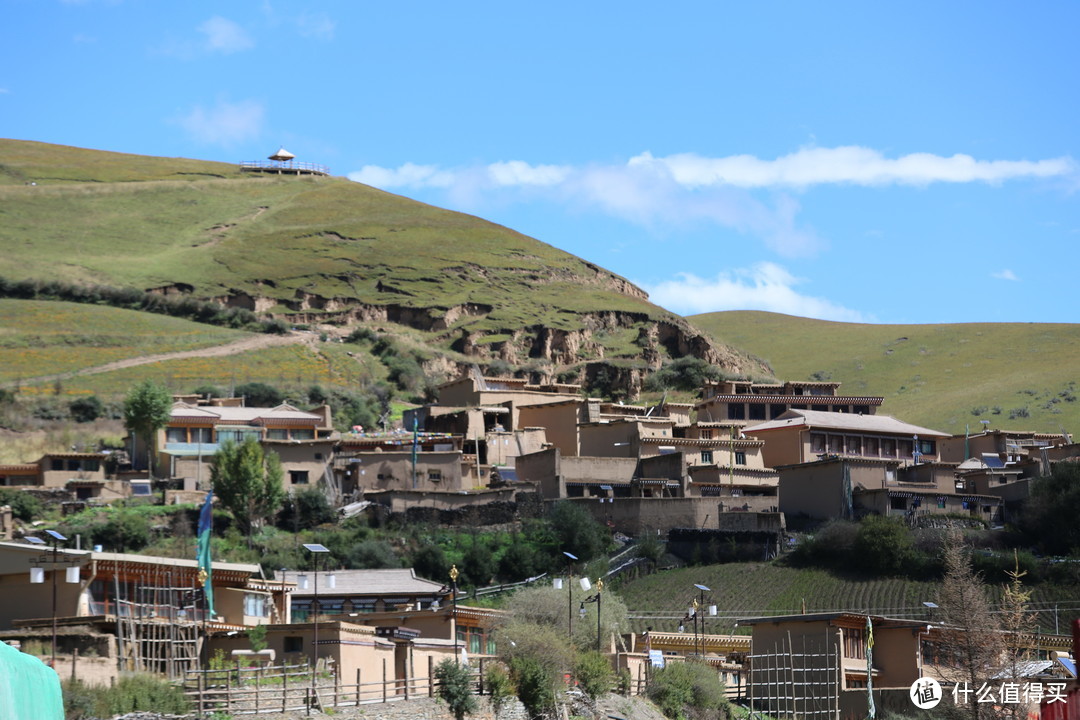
<point>29,689</point>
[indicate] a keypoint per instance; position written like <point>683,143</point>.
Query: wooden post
<point>337,684</point>
<point>307,700</point>
<point>74,662</point>
<point>384,679</point>
<point>358,686</point>
<point>480,688</point>
<point>284,685</point>
<point>201,680</point>
<point>430,676</point>
<point>258,677</point>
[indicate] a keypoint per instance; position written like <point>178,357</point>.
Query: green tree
<point>1051,511</point>
<point>305,509</point>
<point>147,409</point>
<point>248,482</point>
<point>576,530</point>
<point>537,657</point>
<point>259,394</point>
<point>86,409</point>
<point>455,688</point>
<point>883,546</point>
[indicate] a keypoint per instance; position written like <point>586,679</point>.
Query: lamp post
<point>453,590</point>
<point>315,549</point>
<point>570,594</point>
<point>697,608</point>
<point>37,575</point>
<point>594,599</point>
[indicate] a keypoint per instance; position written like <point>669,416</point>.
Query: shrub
<point>306,509</point>
<point>499,688</point>
<point>86,409</point>
<point>257,394</point>
<point>124,531</point>
<point>576,530</point>
<point>594,675</point>
<point>131,693</point>
<point>455,688</point>
<point>686,685</point>
<point>882,546</point>
<point>24,506</point>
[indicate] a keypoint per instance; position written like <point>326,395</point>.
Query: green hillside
<point>322,249</point>
<point>1020,376</point>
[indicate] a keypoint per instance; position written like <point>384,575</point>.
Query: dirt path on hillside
<point>257,342</point>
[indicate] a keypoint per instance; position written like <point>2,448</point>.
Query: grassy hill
<point>324,250</point>
<point>1020,376</point>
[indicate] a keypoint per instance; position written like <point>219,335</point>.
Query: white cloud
<point>406,176</point>
<point>1006,275</point>
<point>851,165</point>
<point>765,286</point>
<point>225,123</point>
<point>315,25</point>
<point>225,36</point>
<point>753,196</point>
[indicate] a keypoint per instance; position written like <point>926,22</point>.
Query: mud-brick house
<point>750,402</point>
<point>83,474</point>
<point>821,664</point>
<point>799,436</point>
<point>400,461</point>
<point>849,487</point>
<point>305,441</point>
<point>377,624</point>
<point>140,612</point>
<point>473,390</point>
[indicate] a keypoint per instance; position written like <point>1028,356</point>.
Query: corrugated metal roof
<point>884,424</point>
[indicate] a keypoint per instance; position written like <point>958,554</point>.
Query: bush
<point>24,506</point>
<point>576,530</point>
<point>455,688</point>
<point>687,685</point>
<point>883,546</point>
<point>86,409</point>
<point>124,531</point>
<point>131,693</point>
<point>499,688</point>
<point>257,394</point>
<point>687,373</point>
<point>593,673</point>
<point>306,509</point>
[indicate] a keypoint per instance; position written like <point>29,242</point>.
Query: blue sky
<point>867,162</point>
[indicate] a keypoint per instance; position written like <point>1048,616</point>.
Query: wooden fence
<point>291,688</point>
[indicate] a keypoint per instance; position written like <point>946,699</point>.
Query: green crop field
<point>759,589</point>
<point>1020,376</point>
<point>43,338</point>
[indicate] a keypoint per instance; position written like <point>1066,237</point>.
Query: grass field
<point>292,366</point>
<point>44,338</point>
<point>760,589</point>
<point>308,248</point>
<point>1019,376</point>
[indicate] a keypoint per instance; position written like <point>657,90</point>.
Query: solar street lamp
<point>37,574</point>
<point>315,549</point>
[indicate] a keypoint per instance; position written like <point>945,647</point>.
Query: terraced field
<point>756,589</point>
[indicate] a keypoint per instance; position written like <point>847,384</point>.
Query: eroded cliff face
<point>616,346</point>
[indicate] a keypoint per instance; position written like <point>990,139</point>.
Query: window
<point>853,444</point>
<point>294,644</point>
<point>706,434</point>
<point>277,434</point>
<point>90,465</point>
<point>898,503</point>
<point>904,447</point>
<point>363,605</point>
<point>740,457</point>
<point>256,605</point>
<point>888,448</point>
<point>836,444</point>
<point>56,464</point>
<point>736,411</point>
<point>927,447</point>
<point>303,434</point>
<point>318,456</point>
<point>817,443</point>
<point>871,447</point>
<point>861,409</point>
<point>175,435</point>
<point>706,457</point>
<point>434,475</point>
<point>301,610</point>
<point>757,411</point>
<point>854,644</point>
<point>298,477</point>
<point>777,410</point>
